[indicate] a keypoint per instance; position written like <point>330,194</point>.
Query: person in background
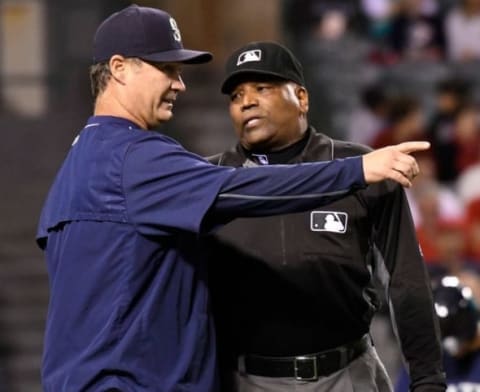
<point>462,29</point>
<point>294,295</point>
<point>456,306</point>
<point>467,137</point>
<point>369,119</point>
<point>417,32</point>
<point>473,230</point>
<point>452,95</point>
<point>405,121</point>
<point>431,200</point>
<point>467,182</point>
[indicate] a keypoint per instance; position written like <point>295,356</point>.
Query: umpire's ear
<point>302,96</point>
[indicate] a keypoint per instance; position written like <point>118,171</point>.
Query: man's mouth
<point>251,122</point>
<point>169,102</point>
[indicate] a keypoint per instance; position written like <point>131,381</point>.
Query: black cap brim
<point>237,77</point>
<point>179,56</point>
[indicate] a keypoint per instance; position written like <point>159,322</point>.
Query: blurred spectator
<point>473,230</point>
<point>451,96</point>
<point>468,182</point>
<point>451,247</point>
<point>438,215</point>
<point>301,17</point>
<point>405,122</point>
<point>335,57</point>
<point>437,202</point>
<point>456,305</point>
<point>467,137</point>
<point>441,239</point>
<point>377,10</point>
<point>417,31</point>
<point>369,118</point>
<point>333,21</point>
<point>462,28</point>
<point>379,25</point>
<point>426,198</point>
<point>471,278</point>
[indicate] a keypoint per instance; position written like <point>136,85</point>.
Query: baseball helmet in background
<point>457,312</point>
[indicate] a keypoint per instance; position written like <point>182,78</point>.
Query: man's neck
<point>107,105</point>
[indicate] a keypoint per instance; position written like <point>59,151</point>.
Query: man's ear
<point>302,96</point>
<point>118,67</point>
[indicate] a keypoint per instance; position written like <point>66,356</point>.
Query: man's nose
<point>178,85</point>
<point>249,99</point>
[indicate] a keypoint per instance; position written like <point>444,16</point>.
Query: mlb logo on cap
<point>261,58</point>
<point>249,55</point>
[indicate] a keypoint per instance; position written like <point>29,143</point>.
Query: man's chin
<point>256,138</point>
<point>165,116</point>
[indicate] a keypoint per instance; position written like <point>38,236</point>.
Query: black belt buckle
<point>305,368</point>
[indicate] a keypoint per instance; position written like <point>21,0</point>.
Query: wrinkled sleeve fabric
<point>169,189</point>
<point>403,273</point>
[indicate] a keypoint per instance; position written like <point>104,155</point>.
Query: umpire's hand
<point>394,163</point>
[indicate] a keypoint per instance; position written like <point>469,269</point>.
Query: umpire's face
<point>268,114</point>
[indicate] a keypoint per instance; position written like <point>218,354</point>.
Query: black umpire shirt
<point>302,283</point>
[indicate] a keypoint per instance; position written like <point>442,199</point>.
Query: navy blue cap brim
<point>235,77</point>
<point>186,56</point>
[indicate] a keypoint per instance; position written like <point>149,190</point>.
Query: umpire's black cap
<point>262,58</point>
<point>147,33</point>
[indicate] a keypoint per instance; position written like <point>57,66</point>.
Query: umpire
<point>294,294</point>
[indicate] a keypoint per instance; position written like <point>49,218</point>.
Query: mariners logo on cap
<point>249,56</point>
<point>176,30</point>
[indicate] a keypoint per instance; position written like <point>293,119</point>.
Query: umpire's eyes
<point>263,87</point>
<point>234,96</point>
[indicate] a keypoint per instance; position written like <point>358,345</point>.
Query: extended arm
<point>168,188</point>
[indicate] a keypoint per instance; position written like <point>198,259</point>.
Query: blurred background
<point>378,72</point>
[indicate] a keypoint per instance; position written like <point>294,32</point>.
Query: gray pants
<point>364,374</point>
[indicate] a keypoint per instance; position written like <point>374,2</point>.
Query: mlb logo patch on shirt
<point>331,221</point>
<point>249,56</point>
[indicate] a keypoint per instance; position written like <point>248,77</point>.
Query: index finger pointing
<point>409,147</point>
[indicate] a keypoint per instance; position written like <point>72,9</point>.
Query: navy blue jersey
<point>129,307</point>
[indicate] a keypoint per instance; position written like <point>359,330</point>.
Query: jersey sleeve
<point>402,271</point>
<point>279,189</point>
<point>168,188</point>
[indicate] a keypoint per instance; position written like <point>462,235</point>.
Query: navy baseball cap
<point>147,33</point>
<point>262,58</point>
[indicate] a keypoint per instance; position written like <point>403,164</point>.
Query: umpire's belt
<point>307,367</point>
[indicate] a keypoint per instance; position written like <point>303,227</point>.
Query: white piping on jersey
<point>306,196</point>
<point>86,126</point>
<point>91,125</point>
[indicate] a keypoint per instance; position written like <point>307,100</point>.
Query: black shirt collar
<point>279,157</point>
